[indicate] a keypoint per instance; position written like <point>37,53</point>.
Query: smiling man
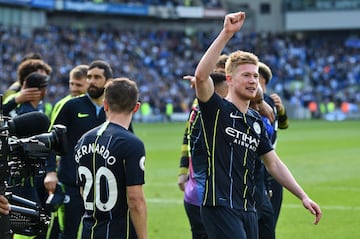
<point>235,136</point>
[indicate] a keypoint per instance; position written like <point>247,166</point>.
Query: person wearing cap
<point>13,98</point>
<point>31,187</point>
<point>15,87</point>
<point>33,80</point>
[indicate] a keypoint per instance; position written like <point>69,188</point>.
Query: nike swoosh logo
<point>235,116</point>
<point>81,115</point>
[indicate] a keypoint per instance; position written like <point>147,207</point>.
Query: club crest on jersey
<point>257,127</point>
<point>67,199</point>
<point>142,163</point>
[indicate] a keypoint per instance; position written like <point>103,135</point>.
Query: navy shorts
<point>228,223</point>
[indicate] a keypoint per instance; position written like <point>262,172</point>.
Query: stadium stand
<point>308,67</point>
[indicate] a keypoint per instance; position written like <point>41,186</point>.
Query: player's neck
<point>120,119</point>
<point>241,104</point>
<point>98,101</point>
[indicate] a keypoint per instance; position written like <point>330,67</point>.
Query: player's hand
<point>182,179</point>
<point>278,103</point>
<point>233,22</point>
<point>28,94</point>
<point>51,181</point>
<point>191,79</point>
<point>314,208</point>
<point>267,111</point>
<point>4,205</point>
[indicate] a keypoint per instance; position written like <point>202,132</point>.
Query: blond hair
<point>238,58</point>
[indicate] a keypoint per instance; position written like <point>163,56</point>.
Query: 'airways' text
<point>242,138</point>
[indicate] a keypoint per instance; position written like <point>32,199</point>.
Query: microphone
<point>29,124</point>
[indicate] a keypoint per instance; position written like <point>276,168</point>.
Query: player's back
<point>104,155</point>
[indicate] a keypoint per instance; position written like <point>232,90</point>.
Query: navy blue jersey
<point>271,102</point>
<point>233,141</point>
<point>194,188</point>
<point>110,158</point>
<point>79,115</point>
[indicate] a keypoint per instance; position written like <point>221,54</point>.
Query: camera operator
<point>4,205</point>
<point>15,87</point>
<point>31,188</point>
<point>19,92</point>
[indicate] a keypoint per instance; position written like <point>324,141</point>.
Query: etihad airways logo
<point>242,138</point>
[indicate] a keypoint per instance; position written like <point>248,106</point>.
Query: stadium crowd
<point>207,3</point>
<point>305,69</point>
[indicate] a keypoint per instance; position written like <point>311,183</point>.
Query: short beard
<point>95,92</point>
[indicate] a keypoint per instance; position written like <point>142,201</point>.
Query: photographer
<point>24,93</point>
<point>32,187</point>
<point>4,205</point>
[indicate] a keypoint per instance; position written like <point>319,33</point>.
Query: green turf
<point>323,156</point>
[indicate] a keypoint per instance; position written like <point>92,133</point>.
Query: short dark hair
<point>102,65</point>
<point>220,64</point>
<point>217,78</point>
<point>265,72</point>
<point>121,94</point>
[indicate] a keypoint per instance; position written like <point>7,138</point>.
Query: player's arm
<point>138,212</point>
<point>51,179</point>
<point>184,160</point>
<point>283,175</point>
<point>24,95</point>
<point>204,85</point>
<point>283,121</point>
<point>267,111</point>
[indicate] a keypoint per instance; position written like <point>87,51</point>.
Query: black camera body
<point>20,158</point>
<point>27,217</point>
<point>27,156</point>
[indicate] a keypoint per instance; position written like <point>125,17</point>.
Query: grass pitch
<point>323,156</point>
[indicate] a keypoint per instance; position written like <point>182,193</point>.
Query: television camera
<point>25,145</point>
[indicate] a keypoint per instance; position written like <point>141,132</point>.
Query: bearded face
<point>95,92</point>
